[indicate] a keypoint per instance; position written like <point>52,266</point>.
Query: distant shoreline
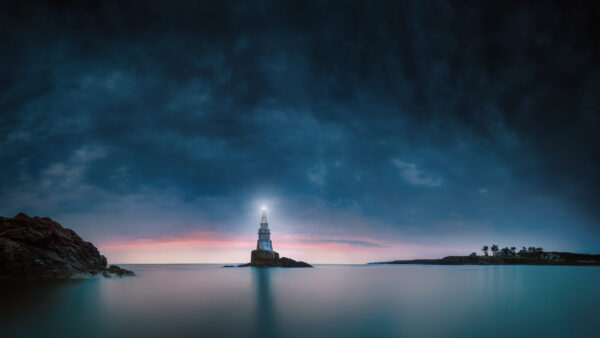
<point>572,260</point>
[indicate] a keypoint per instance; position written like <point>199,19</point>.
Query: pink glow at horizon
<point>212,247</point>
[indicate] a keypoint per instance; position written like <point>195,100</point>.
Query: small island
<point>508,256</point>
<point>38,248</point>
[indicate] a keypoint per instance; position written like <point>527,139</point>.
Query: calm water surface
<point>327,301</point>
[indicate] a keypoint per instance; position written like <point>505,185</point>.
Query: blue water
<point>327,301</point>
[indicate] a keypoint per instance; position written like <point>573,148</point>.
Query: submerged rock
<point>40,248</point>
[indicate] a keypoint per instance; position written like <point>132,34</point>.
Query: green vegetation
<point>512,251</point>
<point>494,249</point>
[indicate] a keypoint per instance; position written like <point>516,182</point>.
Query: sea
<point>204,300</point>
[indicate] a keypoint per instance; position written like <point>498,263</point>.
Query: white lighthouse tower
<point>264,234</point>
<point>264,254</point>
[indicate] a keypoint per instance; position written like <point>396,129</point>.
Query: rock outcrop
<point>264,258</point>
<point>40,248</point>
<point>285,262</point>
<point>118,271</point>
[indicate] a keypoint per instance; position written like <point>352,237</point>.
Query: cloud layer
<point>438,123</point>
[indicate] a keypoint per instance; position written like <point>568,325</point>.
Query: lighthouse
<point>264,254</point>
<point>264,234</point>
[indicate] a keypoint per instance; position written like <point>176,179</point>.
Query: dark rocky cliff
<point>40,248</point>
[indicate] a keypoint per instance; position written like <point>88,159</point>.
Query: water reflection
<point>58,308</point>
<point>328,301</point>
<point>266,315</point>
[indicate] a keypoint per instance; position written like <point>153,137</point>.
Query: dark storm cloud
<point>427,117</point>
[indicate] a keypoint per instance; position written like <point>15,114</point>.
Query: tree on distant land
<point>539,252</point>
<point>494,249</point>
<point>513,251</point>
<point>473,254</point>
<point>485,250</point>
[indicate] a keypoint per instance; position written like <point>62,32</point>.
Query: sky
<point>370,131</point>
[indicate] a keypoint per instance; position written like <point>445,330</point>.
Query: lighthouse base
<point>271,258</point>
<point>264,258</point>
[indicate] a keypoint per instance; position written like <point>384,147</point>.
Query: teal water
<point>327,301</point>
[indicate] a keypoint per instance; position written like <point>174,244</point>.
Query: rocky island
<point>271,258</point>
<point>264,256</point>
<point>38,248</point>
